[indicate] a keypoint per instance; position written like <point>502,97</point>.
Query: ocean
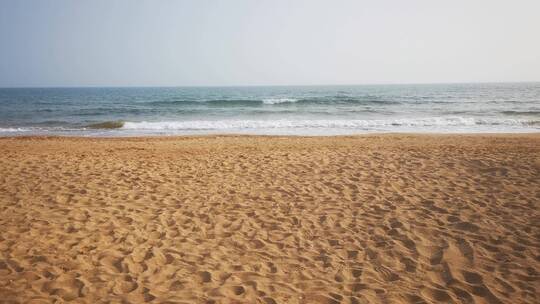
<point>272,110</point>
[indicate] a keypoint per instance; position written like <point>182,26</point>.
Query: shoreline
<point>240,135</point>
<point>376,218</point>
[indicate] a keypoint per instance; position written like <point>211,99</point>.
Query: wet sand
<point>240,219</point>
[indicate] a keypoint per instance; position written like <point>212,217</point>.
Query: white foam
<point>300,126</point>
<point>318,124</point>
<point>13,130</point>
<point>271,101</point>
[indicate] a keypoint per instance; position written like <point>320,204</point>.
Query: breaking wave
<point>107,125</point>
<point>318,124</point>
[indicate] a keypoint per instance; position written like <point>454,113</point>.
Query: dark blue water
<point>312,110</point>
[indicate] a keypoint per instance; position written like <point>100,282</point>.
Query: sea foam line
<point>345,124</point>
<point>8,130</point>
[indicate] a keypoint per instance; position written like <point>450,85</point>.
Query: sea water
<point>273,110</point>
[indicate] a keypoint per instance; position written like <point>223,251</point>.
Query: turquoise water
<point>300,110</point>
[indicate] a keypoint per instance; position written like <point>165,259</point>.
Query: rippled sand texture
<point>373,219</point>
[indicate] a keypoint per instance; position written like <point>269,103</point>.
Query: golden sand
<point>238,219</point>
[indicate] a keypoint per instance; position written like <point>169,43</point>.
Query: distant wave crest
<point>271,101</point>
<point>329,100</point>
<point>531,112</point>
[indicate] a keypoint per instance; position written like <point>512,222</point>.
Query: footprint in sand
<point>205,277</point>
<point>238,290</point>
<point>386,274</point>
<point>472,277</point>
<point>414,299</point>
<point>112,263</point>
<point>436,295</point>
<point>65,287</point>
<point>124,285</point>
<point>436,256</point>
<point>466,226</point>
<point>410,265</point>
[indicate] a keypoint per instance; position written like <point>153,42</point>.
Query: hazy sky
<point>267,42</point>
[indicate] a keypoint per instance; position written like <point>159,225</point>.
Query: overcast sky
<point>267,42</point>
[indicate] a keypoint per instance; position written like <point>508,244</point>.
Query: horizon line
<point>257,85</point>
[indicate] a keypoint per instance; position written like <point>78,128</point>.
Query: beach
<point>383,218</point>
